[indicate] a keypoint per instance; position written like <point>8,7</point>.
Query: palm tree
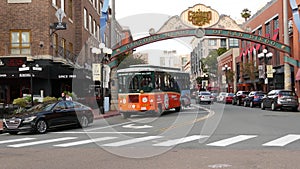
<point>246,14</point>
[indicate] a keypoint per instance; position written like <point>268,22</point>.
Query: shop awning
<point>298,75</point>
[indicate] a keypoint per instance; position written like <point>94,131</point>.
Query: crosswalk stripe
<point>131,141</point>
<point>180,140</point>
<point>16,140</point>
<point>282,141</point>
<point>232,140</point>
<point>41,142</point>
<point>84,142</point>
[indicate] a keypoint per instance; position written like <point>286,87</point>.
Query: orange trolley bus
<point>152,89</point>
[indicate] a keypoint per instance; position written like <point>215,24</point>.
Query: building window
<point>97,6</point>
<point>100,6</point>
<point>94,28</point>
<point>54,2</point>
<point>98,32</point>
<point>233,42</point>
<point>55,43</point>
<point>223,43</point>
<point>268,30</point>
<point>20,42</point>
<point>212,42</point>
<point>70,10</point>
<point>276,23</point>
<point>63,44</point>
<point>259,31</point>
<point>18,1</point>
<point>90,24</point>
<point>85,18</point>
<point>71,47</point>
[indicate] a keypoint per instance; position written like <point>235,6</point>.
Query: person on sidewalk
<point>63,96</point>
<point>68,97</point>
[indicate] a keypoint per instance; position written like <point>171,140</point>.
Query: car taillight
<point>296,97</point>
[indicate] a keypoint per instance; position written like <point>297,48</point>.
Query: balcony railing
<point>65,54</point>
<point>13,50</point>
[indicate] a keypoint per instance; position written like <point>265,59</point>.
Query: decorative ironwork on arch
<point>199,33</point>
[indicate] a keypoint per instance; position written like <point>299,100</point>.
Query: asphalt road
<point>202,136</point>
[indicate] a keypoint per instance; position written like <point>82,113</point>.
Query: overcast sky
<point>141,15</point>
<point>125,8</point>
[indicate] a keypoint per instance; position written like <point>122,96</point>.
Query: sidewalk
<point>97,115</point>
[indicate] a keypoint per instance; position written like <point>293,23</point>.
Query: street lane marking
<point>180,140</point>
<point>82,132</point>
<point>183,124</point>
<point>131,141</point>
<point>282,141</point>
<point>76,143</point>
<point>111,126</point>
<point>232,140</point>
<point>41,142</point>
<point>16,140</point>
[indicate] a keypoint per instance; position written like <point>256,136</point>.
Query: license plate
<point>288,100</point>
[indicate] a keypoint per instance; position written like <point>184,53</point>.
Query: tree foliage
<point>250,69</point>
<point>211,62</point>
<point>246,13</point>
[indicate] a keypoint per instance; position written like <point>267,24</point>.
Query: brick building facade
<point>28,36</point>
<point>272,22</point>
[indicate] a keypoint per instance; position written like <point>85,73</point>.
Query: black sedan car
<point>45,116</point>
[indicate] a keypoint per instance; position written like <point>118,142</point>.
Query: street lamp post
<point>266,56</point>
<point>105,54</point>
<point>30,68</point>
<point>226,68</point>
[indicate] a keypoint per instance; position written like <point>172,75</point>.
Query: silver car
<point>204,97</point>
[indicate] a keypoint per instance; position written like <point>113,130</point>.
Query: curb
<point>108,114</point>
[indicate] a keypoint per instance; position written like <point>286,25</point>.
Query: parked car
<point>228,98</point>
<point>254,98</point>
<point>214,96</point>
<point>238,98</point>
<point>42,117</point>
<point>204,96</point>
<point>221,97</point>
<point>278,99</point>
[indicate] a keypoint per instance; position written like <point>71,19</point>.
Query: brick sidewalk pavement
<point>97,115</point>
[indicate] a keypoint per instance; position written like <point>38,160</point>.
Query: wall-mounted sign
<point>13,62</point>
<point>269,71</point>
<point>66,76</point>
<point>200,16</point>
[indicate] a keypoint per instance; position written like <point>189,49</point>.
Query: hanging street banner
<point>269,71</point>
<point>96,67</point>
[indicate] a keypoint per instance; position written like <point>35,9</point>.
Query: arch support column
<point>287,77</point>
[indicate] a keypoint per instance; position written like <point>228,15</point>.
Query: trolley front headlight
<point>144,99</point>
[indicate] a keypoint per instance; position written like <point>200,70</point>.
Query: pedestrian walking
<point>63,96</point>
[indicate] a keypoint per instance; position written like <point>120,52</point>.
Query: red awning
<point>298,75</point>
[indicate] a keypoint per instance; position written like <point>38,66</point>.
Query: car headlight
<point>29,119</point>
